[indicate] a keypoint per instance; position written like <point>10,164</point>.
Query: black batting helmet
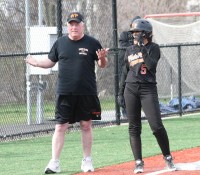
<point>142,25</point>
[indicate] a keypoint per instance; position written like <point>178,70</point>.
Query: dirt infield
<point>153,165</point>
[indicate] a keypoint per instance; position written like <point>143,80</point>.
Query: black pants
<point>144,96</point>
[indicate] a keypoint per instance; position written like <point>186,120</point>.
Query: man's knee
<point>61,127</point>
<point>86,125</point>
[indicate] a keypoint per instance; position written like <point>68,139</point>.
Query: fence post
<point>28,77</point>
<point>179,81</point>
<point>59,18</point>
<point>115,42</point>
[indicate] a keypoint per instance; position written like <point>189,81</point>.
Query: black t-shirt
<point>76,65</point>
<point>144,72</point>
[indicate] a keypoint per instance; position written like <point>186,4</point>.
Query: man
<point>140,64</point>
<point>125,40</point>
<point>76,92</point>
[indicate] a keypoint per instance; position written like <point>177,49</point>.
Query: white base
<point>188,166</point>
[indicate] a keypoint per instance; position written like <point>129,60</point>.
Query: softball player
<point>139,72</point>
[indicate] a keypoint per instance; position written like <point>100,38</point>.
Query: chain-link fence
<point>28,94</point>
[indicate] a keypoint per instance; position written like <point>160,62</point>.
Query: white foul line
<point>159,172</point>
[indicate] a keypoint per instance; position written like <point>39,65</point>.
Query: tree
<point>146,7</point>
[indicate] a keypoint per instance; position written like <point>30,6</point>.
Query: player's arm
<point>43,62</point>
<point>102,59</point>
<point>151,58</point>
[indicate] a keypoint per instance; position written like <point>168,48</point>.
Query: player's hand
<point>141,39</point>
<point>102,53</point>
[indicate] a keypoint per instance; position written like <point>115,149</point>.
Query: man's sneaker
<point>139,166</point>
<point>52,167</point>
<point>86,165</point>
<point>169,163</point>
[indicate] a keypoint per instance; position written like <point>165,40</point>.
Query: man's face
<point>75,30</point>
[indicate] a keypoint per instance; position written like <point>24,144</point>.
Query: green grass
<point>111,146</point>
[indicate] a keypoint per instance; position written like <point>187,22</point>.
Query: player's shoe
<point>52,167</point>
<point>139,166</point>
<point>86,165</point>
<point>169,163</point>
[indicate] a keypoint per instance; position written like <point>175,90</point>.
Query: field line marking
<point>158,172</point>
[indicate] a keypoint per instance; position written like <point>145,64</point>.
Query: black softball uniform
<point>141,92</point>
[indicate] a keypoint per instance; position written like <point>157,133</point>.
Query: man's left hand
<point>101,53</point>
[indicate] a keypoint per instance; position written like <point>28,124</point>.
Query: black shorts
<point>74,108</point>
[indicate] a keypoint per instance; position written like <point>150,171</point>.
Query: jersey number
<point>143,69</point>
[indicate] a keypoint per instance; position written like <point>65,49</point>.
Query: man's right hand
<point>31,60</point>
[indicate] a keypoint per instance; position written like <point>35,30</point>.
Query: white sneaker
<point>52,167</point>
<point>86,165</point>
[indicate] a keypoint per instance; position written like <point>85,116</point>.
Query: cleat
<point>139,166</point>
<point>169,163</point>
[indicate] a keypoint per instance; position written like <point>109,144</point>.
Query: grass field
<point>111,146</point>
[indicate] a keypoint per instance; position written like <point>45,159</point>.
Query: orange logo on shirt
<point>96,113</point>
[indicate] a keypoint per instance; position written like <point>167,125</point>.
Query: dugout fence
<point>21,118</point>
